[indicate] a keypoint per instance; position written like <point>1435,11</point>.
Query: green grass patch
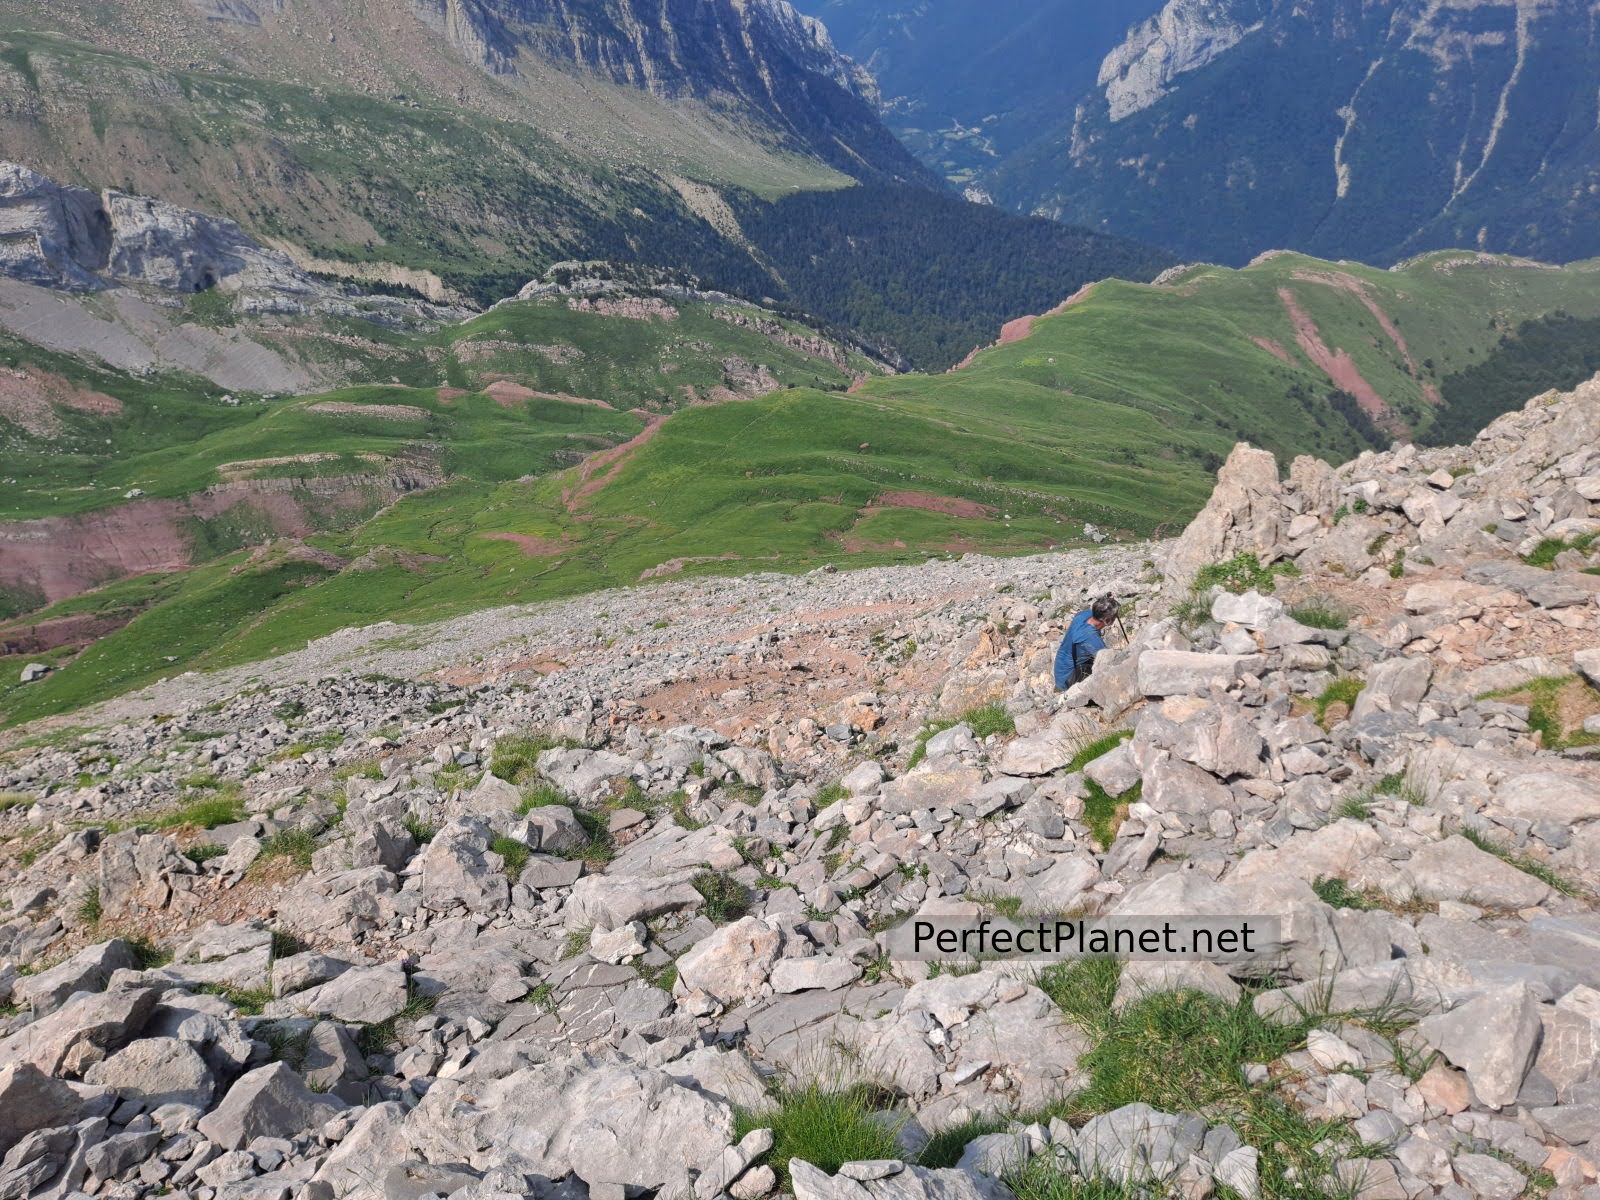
<point>1355,808</point>
<point>541,795</point>
<point>297,845</point>
<point>1242,573</point>
<point>919,748</point>
<point>249,1001</point>
<point>1320,612</point>
<point>1337,893</point>
<point>421,831</point>
<point>677,806</point>
<point>1005,906</point>
<point>90,910</point>
<point>226,807</point>
<point>1342,691</point>
<point>944,1149</point>
<point>1545,553</point>
<point>598,848</point>
<point>986,720</point>
<point>516,759</point>
<point>830,793</point>
<point>203,852</point>
<point>822,1126</point>
<point>1102,812</point>
<point>1557,708</point>
<point>1097,748</point>
<point>1182,1052</point>
<point>383,1036</point>
<point>513,853</point>
<point>724,898</point>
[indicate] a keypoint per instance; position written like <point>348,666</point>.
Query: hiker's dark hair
<point>1107,608</point>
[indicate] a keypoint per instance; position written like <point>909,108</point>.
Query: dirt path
<point>610,460</point>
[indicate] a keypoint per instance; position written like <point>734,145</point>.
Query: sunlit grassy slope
<point>1113,411</point>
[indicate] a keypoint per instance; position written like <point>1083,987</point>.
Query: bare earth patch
<point>385,412</point>
<point>1355,287</point>
<point>950,506</point>
<point>533,547</point>
<point>1021,327</point>
<point>29,398</point>
<point>610,461</point>
<point>1337,365</point>
<point>1275,348</point>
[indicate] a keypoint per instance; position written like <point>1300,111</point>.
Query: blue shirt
<point>1078,648</point>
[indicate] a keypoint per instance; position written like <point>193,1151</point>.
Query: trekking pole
<point>1124,628</point>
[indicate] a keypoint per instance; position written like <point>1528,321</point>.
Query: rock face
<point>1184,36</point>
<point>475,989</point>
<point>1243,514</point>
<point>764,54</point>
<point>73,239</point>
<point>1155,125</point>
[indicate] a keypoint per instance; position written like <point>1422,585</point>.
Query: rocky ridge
<point>72,239</point>
<point>583,915</point>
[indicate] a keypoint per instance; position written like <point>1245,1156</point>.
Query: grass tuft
<point>297,845</point>
<point>1183,1052</point>
<point>1343,690</point>
<point>421,831</point>
<point>516,759</point>
<point>985,720</point>
<point>724,896</point>
<point>1320,612</point>
<point>90,910</point>
<point>1524,863</point>
<point>825,1127</point>
<point>513,853</point>
<point>1337,893</point>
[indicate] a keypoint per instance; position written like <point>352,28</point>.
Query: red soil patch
<point>533,547</point>
<point>1274,348</point>
<point>77,630</point>
<point>29,398</point>
<point>58,557</point>
<point>448,394</point>
<point>1337,365</point>
<point>950,506</point>
<point>507,394</point>
<point>1358,289</point>
<point>1021,327</point>
<point>610,461</point>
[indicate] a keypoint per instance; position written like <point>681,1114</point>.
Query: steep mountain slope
<point>1343,128</point>
<point>1109,414</point>
<point>966,86</point>
<point>460,149</point>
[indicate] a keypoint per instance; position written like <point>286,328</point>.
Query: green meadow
<point>1115,411</point>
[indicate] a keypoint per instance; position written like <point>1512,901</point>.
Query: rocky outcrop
<point>1183,36</point>
<point>72,239</point>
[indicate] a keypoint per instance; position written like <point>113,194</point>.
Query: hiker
<point>1075,659</point>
